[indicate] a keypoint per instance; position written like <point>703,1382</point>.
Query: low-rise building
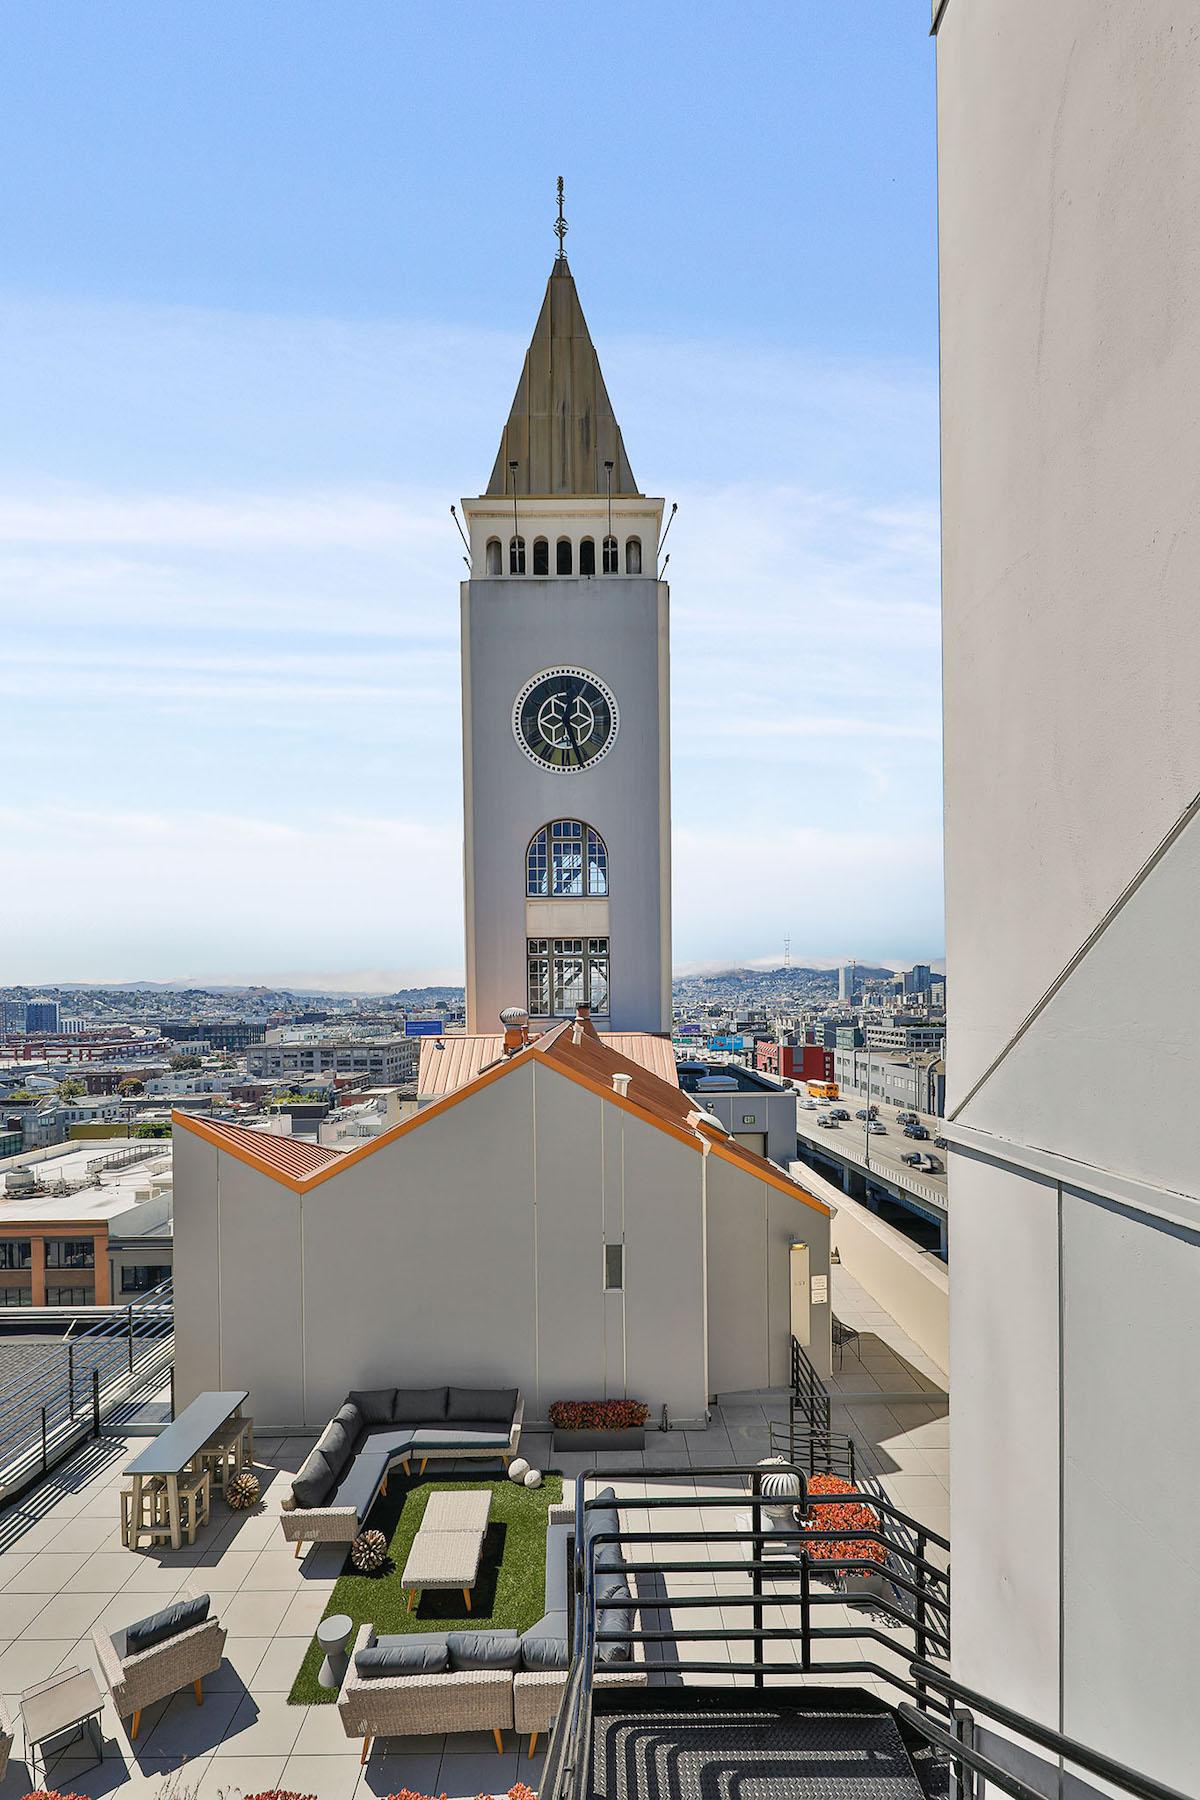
<point>384,1062</point>
<point>86,1227</point>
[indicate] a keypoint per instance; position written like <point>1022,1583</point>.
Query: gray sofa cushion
<point>484,1650</point>
<point>558,1540</point>
<point>459,1437</point>
<point>157,1627</point>
<point>375,1404</point>
<point>336,1444</point>
<point>544,1652</point>
<point>490,1406</point>
<point>604,1518</point>
<point>416,1655</point>
<point>360,1484</point>
<point>314,1483</point>
<point>615,1618</point>
<point>390,1440</point>
<point>550,1625</point>
<point>419,1406</point>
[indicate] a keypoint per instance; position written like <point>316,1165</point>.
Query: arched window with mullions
<point>566,860</point>
<point>612,557</point>
<point>516,556</point>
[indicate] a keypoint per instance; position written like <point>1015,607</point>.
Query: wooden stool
<point>195,1497</point>
<point>153,1508</point>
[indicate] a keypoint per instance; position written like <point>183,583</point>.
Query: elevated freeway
<point>869,1166</point>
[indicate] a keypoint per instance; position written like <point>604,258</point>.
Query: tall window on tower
<point>564,973</point>
<point>566,860</point>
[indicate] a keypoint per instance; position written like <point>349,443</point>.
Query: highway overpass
<point>867,1166</point>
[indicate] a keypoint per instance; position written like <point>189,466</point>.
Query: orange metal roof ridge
<point>269,1154</point>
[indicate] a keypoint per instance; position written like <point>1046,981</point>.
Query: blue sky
<point>269,273</point>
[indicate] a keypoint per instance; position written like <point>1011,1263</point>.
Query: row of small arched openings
<point>564,556</point>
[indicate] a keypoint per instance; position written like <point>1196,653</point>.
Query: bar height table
<point>172,1452</point>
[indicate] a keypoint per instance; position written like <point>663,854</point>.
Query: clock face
<point>565,719</point>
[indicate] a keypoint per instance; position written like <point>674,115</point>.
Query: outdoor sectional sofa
<point>377,1428</point>
<point>432,1682</point>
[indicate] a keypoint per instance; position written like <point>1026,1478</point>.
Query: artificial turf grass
<point>510,1590</point>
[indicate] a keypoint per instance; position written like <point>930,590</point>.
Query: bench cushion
<point>484,1650</point>
<point>472,1435</point>
<point>419,1406</point>
<point>375,1404</point>
<point>490,1406</point>
<point>360,1484</point>
<point>604,1518</point>
<point>415,1655</point>
<point>157,1627</point>
<point>389,1440</point>
<point>544,1652</point>
<point>314,1482</point>
<point>550,1625</point>
<point>338,1441</point>
<point>558,1540</point>
<point>616,1618</point>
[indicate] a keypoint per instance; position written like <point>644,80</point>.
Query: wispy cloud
<point>229,571</point>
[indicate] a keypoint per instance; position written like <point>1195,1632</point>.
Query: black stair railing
<point>810,1396</point>
<point>787,1571</point>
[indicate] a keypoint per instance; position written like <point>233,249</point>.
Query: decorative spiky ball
<point>243,1492</point>
<point>368,1551</point>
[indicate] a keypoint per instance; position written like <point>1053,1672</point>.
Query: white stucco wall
<point>1069,220</point>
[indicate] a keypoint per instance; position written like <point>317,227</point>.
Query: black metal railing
<point>934,1708</point>
<point>816,1452</point>
<point>46,1412</point>
<point>810,1396</point>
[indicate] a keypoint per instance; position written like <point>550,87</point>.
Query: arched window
<point>612,557</point>
<point>633,556</point>
<point>587,556</point>
<point>516,556</point>
<point>566,860</point>
<point>541,557</point>
<point>564,559</point>
<point>493,563</point>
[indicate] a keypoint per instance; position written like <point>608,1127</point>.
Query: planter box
<point>633,1438</point>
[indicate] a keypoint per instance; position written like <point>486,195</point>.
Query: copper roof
<point>288,1155</point>
<point>449,1063</point>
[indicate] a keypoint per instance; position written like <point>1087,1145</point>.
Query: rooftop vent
<point>515,1021</point>
<point>621,1084</point>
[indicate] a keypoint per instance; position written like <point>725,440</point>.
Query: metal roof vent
<point>621,1085</point>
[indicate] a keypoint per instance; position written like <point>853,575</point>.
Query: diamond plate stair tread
<point>769,1755</point>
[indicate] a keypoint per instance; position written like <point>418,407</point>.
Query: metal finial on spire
<point>561,227</point>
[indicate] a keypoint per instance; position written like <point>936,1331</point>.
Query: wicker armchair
<point>6,1743</point>
<point>136,1682</point>
<point>412,1705</point>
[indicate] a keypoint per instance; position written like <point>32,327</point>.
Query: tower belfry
<point>566,726</point>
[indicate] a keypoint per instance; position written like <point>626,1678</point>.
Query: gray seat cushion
<point>377,1405</point>
<point>338,1440</point>
<point>157,1627</point>
<point>558,1541</point>
<point>314,1482</point>
<point>544,1652</point>
<point>484,1650</point>
<point>491,1406</point>
<point>360,1484</point>
<point>419,1406</point>
<point>415,1655</point>
<point>614,1618</point>
<point>550,1625</point>
<point>390,1440</point>
<point>459,1437</point>
<point>604,1518</point>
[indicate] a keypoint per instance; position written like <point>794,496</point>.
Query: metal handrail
<point>1070,1750</point>
<point>809,1391</point>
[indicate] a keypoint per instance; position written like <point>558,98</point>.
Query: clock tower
<point>566,727</point>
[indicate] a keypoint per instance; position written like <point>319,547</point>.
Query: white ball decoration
<point>517,1469</point>
<point>533,1478</point>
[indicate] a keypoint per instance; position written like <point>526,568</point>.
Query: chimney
<point>621,1085</point>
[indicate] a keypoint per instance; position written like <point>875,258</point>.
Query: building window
<point>516,556</point>
<point>587,557</point>
<point>16,1253</point>
<point>564,557</point>
<point>633,556</point>
<point>612,557</point>
<point>566,860</point>
<point>16,1296</point>
<point>492,557</point>
<point>68,1296</point>
<point>541,557</point>
<point>70,1253</point>
<point>614,1268</point>
<point>564,973</point>
<point>137,1278</point>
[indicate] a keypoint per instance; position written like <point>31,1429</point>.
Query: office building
<point>1069,216</point>
<point>380,1062</point>
<point>41,1015</point>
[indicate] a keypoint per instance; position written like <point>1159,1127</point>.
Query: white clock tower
<point>566,725</point>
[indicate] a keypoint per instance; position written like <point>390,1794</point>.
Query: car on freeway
<point>876,1128</point>
<point>915,1131</point>
<point>824,1119</point>
<point>911,1157</point>
<point>907,1118</point>
<point>839,1112</point>
<point>942,1143</point>
<point>808,1104</point>
<point>867,1112</point>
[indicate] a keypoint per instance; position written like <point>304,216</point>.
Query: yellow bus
<point>823,1090</point>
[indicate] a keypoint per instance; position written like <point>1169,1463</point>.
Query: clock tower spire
<point>566,729</point>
